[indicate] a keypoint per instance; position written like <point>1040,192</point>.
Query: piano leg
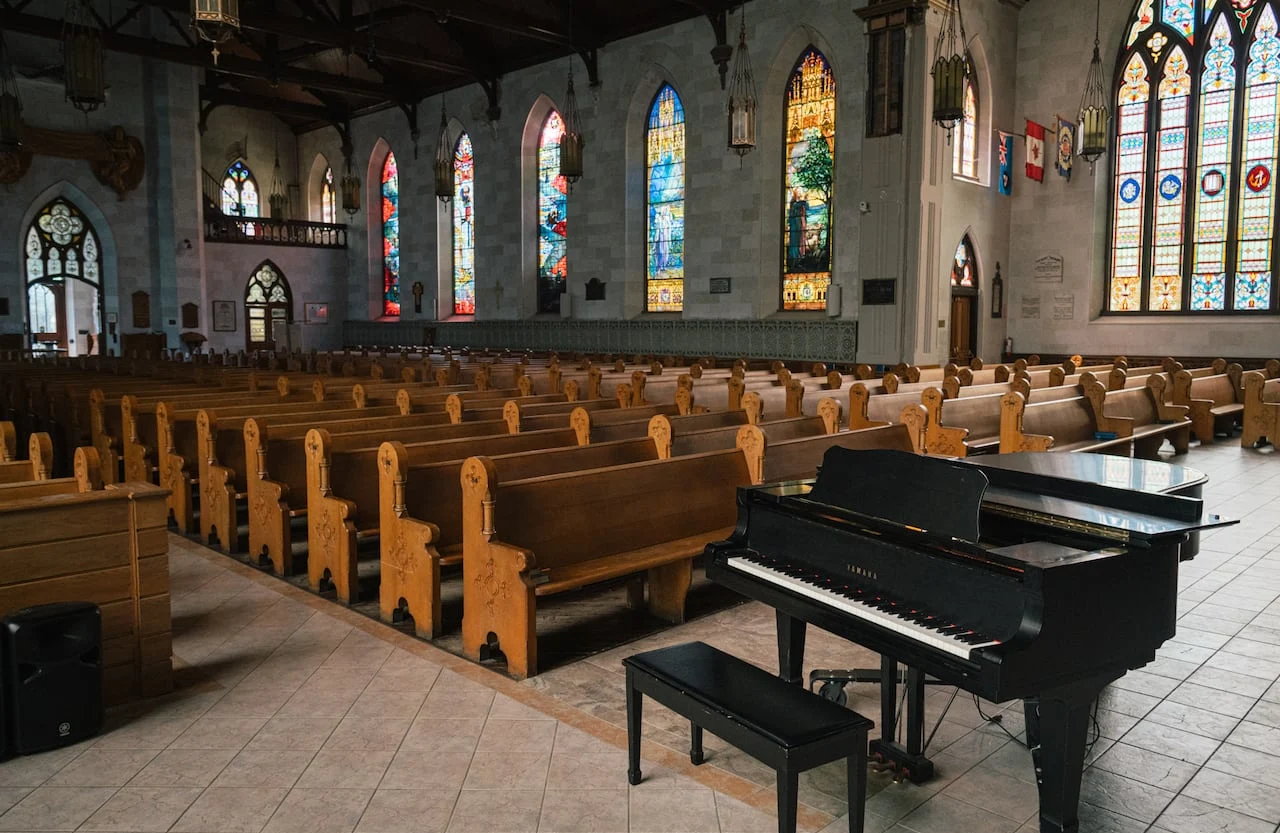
<point>1057,732</point>
<point>791,632</point>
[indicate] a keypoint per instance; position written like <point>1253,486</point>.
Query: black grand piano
<point>1005,577</point>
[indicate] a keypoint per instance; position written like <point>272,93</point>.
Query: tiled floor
<point>296,715</point>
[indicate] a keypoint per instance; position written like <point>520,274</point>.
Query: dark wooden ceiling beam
<point>43,27</point>
<point>498,18</point>
<point>236,98</point>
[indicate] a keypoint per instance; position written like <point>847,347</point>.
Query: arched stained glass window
<point>553,206</point>
<point>240,192</point>
<point>1197,144</point>
<point>328,198</point>
<point>665,156</point>
<point>964,269</point>
<point>64,276</point>
<point>964,162</point>
<point>809,165</point>
<point>464,241</point>
<point>390,237</point>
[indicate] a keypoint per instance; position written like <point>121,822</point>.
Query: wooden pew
<point>1261,410</point>
<point>419,507</point>
<point>652,517</point>
<point>1062,425</point>
<point>971,424</point>
<point>37,466</point>
<point>798,458</point>
<point>1142,415</point>
<point>1214,401</point>
<point>103,545</point>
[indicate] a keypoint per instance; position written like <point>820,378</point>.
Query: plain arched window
<point>809,165</point>
<point>1193,220</point>
<point>390,237</point>
<point>664,164</point>
<point>553,208</point>
<point>464,240</point>
<point>240,192</point>
<point>964,163</point>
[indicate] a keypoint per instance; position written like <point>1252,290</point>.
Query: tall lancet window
<point>664,140</point>
<point>809,166</point>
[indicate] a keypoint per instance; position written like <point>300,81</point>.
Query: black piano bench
<point>773,721</point>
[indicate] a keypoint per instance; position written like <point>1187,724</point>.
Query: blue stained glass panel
<point>1217,104</point>
<point>553,209</point>
<point>665,160</point>
<point>1256,229</point>
<point>390,237</point>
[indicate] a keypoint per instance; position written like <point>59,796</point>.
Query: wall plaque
<point>224,316</point>
<point>1064,306</point>
<point>190,317</point>
<point>595,290</point>
<point>1031,306</point>
<point>722,286</point>
<point>879,293</point>
<point>1049,269</point>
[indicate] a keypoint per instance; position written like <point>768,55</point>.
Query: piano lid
<point>928,494</point>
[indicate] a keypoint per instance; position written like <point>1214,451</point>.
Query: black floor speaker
<point>52,676</point>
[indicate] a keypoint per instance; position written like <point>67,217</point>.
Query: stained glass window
<point>964,270</point>
<point>240,192</point>
<point>464,242</point>
<point>1194,219</point>
<point>964,161</point>
<point>390,237</point>
<point>810,177</point>
<point>553,205</point>
<point>267,299</point>
<point>61,247</point>
<point>664,138</point>
<point>328,198</point>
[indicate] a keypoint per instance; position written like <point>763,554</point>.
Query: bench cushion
<point>779,711</point>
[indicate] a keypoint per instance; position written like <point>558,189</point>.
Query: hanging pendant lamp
<point>82,56</point>
<point>1094,114</point>
<point>215,21</point>
<point>10,102</point>
<point>279,197</point>
<point>951,68</point>
<point>742,97</point>
<point>571,144</point>
<point>444,159</point>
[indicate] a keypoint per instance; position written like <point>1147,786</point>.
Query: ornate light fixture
<point>215,21</point>
<point>350,185</point>
<point>82,56</point>
<point>444,159</point>
<point>279,197</point>
<point>1094,116</point>
<point>951,68</point>
<point>571,143</point>
<point>742,98</point>
<point>10,102</point>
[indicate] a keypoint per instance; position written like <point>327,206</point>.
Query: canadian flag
<point>1035,151</point>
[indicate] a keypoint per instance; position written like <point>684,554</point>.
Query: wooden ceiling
<point>323,62</point>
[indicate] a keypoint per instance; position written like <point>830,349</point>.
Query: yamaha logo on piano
<point>863,572</point>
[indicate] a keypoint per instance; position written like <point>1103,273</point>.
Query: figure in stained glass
<point>390,237</point>
<point>665,164</point>
<point>239,191</point>
<point>553,205</point>
<point>464,241</point>
<point>328,198</point>
<point>810,178</point>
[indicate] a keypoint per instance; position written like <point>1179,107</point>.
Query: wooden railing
<point>269,232</point>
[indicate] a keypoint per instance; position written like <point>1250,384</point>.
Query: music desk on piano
<point>1002,576</point>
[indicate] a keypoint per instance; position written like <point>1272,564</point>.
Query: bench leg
<point>635,701</point>
<point>668,587</point>
<point>857,779</point>
<point>695,744</point>
<point>788,800</point>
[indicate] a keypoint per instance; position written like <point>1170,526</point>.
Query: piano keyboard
<point>911,624</point>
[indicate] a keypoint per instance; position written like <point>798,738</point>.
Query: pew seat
<point>1141,414</point>
<point>1063,425</point>
<point>1214,401</point>
<point>1261,410</point>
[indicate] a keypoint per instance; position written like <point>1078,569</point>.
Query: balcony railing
<point>264,231</point>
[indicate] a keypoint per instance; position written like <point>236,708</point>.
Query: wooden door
<point>260,322</point>
<point>963,325</point>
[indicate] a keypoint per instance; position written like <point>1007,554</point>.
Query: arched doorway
<point>64,281</point>
<point>964,303</point>
<point>268,306</point>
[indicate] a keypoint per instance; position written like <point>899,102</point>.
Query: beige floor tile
<point>995,792</point>
<point>515,811</point>
<point>34,770</point>
<point>248,702</point>
<point>145,733</point>
<point>369,733</point>
<point>673,811</point>
<point>381,703</point>
<point>942,814</point>
<point>231,810</point>
<point>413,769</point>
<point>102,768</point>
<point>738,817</point>
<point>265,768</point>
<point>219,733</point>
<point>294,733</point>
<point>408,811</point>
<point>142,809</point>
<point>405,672</point>
<point>505,708</point>
<point>319,811</point>
<point>361,769</point>
<point>1189,815</point>
<point>587,771</point>
<point>183,768</point>
<point>511,771</point>
<point>10,796</point>
<point>576,811</point>
<point>441,735</point>
<point>55,808</point>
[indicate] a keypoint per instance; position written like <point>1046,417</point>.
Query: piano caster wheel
<point>835,693</point>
